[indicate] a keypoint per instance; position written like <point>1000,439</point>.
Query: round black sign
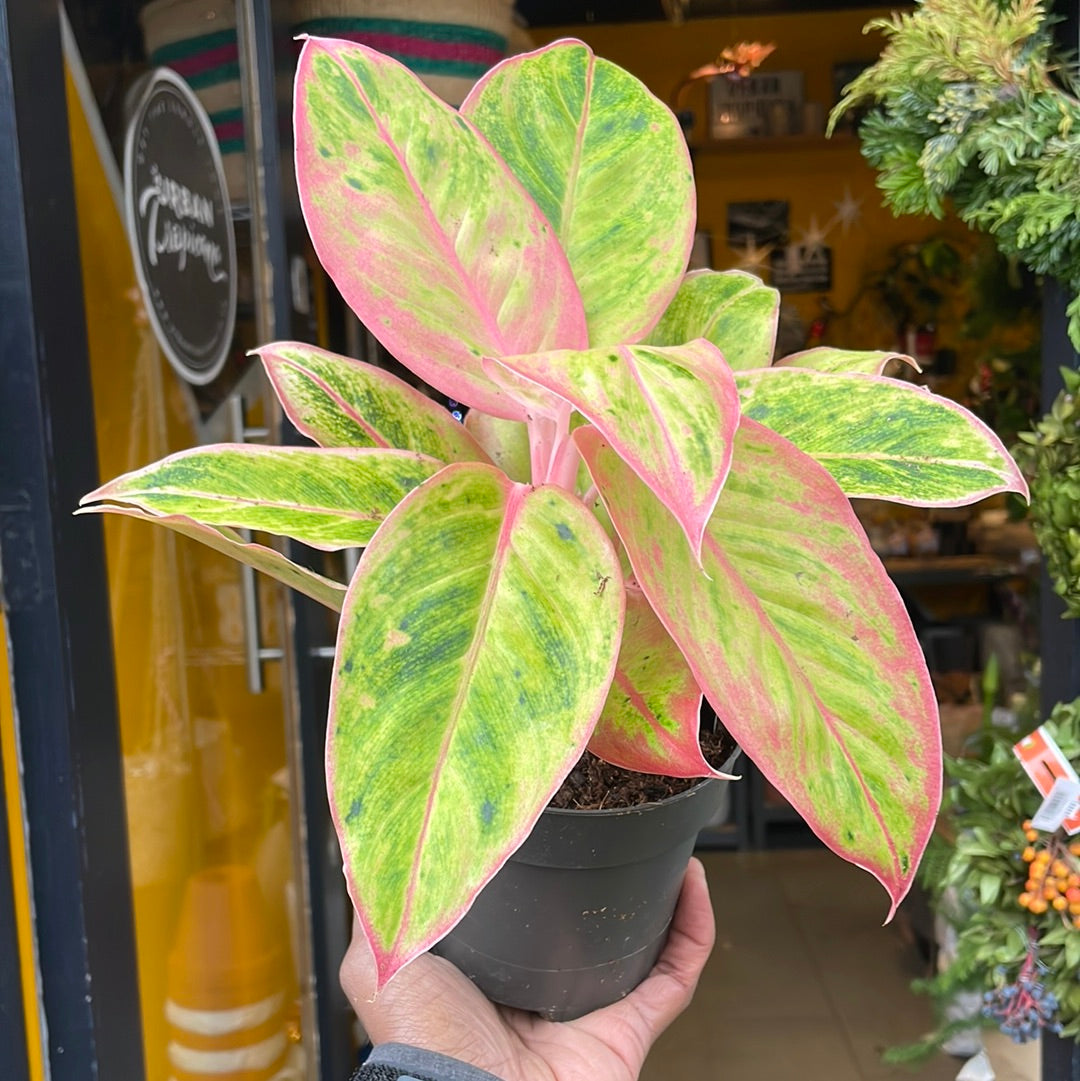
<point>180,225</point>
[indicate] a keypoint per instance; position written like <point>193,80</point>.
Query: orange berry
<point>1059,870</point>
<point>1028,854</point>
<point>1073,893</point>
<point>1060,904</point>
<point>1031,835</point>
<point>1038,906</point>
<point>1050,891</point>
<point>1030,885</point>
<point>1074,848</point>
<point>1024,900</point>
<point>1074,880</point>
<point>1026,824</point>
<point>1074,908</point>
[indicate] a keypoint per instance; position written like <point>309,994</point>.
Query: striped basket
<point>448,44</point>
<point>226,1004</point>
<point>197,39</point>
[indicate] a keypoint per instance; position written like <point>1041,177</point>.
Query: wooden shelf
<point>771,144</point>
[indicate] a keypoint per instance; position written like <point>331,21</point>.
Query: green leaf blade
<point>929,451</point>
<point>607,163</point>
<point>652,714</point>
<point>258,556</point>
<point>458,261</point>
<point>800,643</point>
<point>340,402</point>
<point>671,413</point>
<point>730,308</point>
<point>328,499</point>
<point>825,358</point>
<point>474,655</point>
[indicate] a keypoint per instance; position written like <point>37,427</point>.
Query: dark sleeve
<point>391,1061</point>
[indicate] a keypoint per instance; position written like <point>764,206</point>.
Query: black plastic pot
<point>579,914</point>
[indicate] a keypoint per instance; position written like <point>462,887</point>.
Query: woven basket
<point>448,44</point>
<point>197,39</point>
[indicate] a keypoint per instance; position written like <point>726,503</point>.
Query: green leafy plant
<point>639,508</point>
<point>972,108</point>
<point>996,879</point>
<point>1050,456</point>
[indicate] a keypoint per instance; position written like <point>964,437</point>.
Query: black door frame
<point>54,593</point>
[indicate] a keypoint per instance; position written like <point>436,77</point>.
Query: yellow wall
<point>810,180</point>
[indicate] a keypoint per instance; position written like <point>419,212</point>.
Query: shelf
<point>770,144</point>
<point>943,570</point>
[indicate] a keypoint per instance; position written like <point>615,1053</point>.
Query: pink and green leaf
<point>328,499</point>
<point>801,644</point>
<point>651,718</point>
<point>473,658</point>
<point>670,413</point>
<point>607,163</point>
<point>731,309</point>
<point>340,402</point>
<point>506,443</point>
<point>827,359</point>
<point>882,438</point>
<point>268,560</point>
<point>425,231</point>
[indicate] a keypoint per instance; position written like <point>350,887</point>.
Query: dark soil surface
<point>594,784</point>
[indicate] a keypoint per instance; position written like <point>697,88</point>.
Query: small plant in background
<point>1050,456</point>
<point>972,108</point>
<point>1011,892</point>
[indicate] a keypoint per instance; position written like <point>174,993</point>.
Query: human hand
<point>431,1005</point>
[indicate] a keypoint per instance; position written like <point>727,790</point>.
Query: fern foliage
<point>971,107</point>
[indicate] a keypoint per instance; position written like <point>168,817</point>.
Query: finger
<point>357,972</point>
<point>668,989</point>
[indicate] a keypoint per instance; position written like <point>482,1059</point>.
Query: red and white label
<point>1053,775</point>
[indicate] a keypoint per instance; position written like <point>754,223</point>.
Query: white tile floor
<point>805,983</point>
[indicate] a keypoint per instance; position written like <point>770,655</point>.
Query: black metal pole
<point>52,569</point>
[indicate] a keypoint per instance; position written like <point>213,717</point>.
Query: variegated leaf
<point>882,438</point>
<point>801,644</point>
<point>473,657</point>
<point>669,412</point>
<point>827,359</point>
<point>506,443</point>
<point>607,163</point>
<point>340,402</point>
<point>328,499</point>
<point>731,309</point>
<point>457,261</point>
<point>651,718</point>
<point>324,590</point>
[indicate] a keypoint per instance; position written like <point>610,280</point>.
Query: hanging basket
<point>197,39</point>
<point>449,44</point>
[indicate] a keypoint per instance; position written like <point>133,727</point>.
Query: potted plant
<point>639,508</point>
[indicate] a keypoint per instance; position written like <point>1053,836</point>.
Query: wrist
<point>393,1061</point>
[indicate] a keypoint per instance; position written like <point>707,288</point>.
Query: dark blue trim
<point>53,571</point>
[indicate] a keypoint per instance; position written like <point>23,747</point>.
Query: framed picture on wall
<point>800,269</point>
<point>757,225</point>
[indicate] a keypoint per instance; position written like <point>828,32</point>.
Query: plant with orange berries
<point>1011,891</point>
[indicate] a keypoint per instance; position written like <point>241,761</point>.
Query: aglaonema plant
<point>639,508</point>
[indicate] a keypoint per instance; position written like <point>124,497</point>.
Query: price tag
<point>1046,765</point>
<point>1061,805</point>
